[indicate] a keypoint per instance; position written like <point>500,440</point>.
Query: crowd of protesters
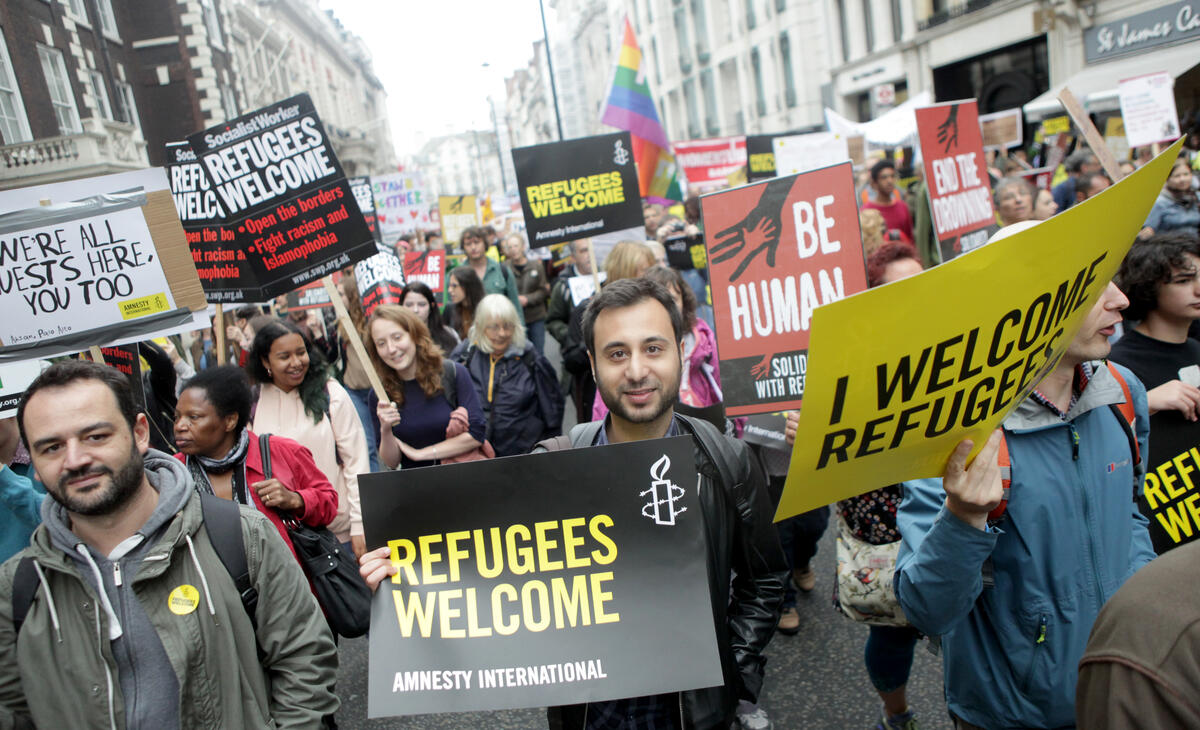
<point>1020,566</point>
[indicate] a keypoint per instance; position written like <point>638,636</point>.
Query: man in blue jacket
<point>1013,600</point>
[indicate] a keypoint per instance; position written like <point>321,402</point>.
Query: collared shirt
<point>652,712</point>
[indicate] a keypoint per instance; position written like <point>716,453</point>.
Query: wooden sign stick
<point>1107,160</point>
<point>97,355</point>
<point>355,341</point>
<point>219,333</point>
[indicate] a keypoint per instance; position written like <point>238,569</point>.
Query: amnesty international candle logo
<point>514,590</point>
<point>663,495</point>
<point>620,156</point>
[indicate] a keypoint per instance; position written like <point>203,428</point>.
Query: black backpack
<point>222,522</point>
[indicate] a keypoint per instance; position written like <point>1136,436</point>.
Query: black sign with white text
<point>287,201</point>
<point>547,579</point>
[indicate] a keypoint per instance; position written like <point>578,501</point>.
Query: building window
<point>126,107</point>
<point>711,114</point>
<point>61,96</point>
<point>760,94</point>
<point>843,29</point>
<point>76,10</point>
<point>108,21</point>
<point>693,109</point>
<point>654,60</point>
<point>789,76</point>
<point>780,5</point>
<point>211,23</point>
<point>228,102</point>
<point>14,125</point>
<point>681,36</point>
<point>701,21</point>
<point>103,107</point>
<point>897,22</point>
<point>750,19</point>
<point>868,25</point>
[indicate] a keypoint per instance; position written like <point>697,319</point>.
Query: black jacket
<point>746,574</point>
<point>526,405</point>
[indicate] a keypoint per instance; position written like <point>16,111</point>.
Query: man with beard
<point>120,612</point>
<point>634,335</point>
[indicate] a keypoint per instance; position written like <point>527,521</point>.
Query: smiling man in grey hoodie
<point>136,622</point>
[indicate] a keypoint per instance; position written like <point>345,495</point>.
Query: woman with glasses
<point>516,384</point>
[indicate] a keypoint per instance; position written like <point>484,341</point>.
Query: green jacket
<point>497,279</point>
<point>60,672</point>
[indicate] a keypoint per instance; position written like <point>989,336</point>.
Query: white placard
<point>79,274</point>
<point>583,286</point>
<point>15,377</point>
<point>1148,108</point>
<point>805,152</point>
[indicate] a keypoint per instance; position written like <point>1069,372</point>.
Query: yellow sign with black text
<point>898,375</point>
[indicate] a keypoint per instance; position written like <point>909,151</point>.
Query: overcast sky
<point>429,54</point>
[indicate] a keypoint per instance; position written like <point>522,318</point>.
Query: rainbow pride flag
<point>630,107</point>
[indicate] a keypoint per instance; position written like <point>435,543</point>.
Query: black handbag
<point>340,590</point>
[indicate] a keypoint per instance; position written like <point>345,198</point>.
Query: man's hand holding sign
<point>890,404</point>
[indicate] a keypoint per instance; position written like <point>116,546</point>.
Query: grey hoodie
<point>148,683</point>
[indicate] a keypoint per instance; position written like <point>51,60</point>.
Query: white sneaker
<point>752,717</point>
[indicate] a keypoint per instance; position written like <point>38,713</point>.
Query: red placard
<point>708,163</point>
<point>426,266</point>
<point>956,176</point>
<point>777,250</point>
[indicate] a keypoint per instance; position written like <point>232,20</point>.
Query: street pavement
<point>815,680</point>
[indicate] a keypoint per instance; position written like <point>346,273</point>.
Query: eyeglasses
<point>496,327</point>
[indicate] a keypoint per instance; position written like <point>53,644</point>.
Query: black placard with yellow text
<point>548,579</point>
<point>578,188</point>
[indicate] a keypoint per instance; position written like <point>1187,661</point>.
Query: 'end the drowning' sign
<point>513,591</point>
<point>898,375</point>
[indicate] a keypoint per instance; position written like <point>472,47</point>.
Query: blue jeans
<point>359,398</point>
<point>536,332</point>
<point>889,656</point>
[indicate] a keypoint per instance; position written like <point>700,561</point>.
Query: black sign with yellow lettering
<point>1171,491</point>
<point>578,188</point>
<point>547,579</point>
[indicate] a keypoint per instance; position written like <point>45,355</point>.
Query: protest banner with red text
<point>219,263</point>
<point>285,197</point>
<point>956,176</point>
<point>380,279</point>
<point>427,267</point>
<point>776,251</point>
<point>708,163</point>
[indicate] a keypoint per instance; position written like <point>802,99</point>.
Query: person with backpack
<point>299,400</point>
<point>225,458</point>
<point>495,277</point>
<point>517,386</point>
<point>127,609</point>
<point>1009,559</point>
<point>634,333</point>
<point>428,394</point>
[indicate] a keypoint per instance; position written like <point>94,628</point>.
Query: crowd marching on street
<point>197,518</point>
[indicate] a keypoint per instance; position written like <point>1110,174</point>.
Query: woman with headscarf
<point>299,400</point>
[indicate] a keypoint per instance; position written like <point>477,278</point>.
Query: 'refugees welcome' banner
<point>900,374</point>
<point>547,579</point>
<point>578,188</point>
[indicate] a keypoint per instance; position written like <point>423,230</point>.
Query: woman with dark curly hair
<point>418,298</point>
<point>299,400</point>
<point>225,459</point>
<point>466,292</point>
<point>429,395</point>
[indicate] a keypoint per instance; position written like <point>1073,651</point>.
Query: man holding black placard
<point>634,331</point>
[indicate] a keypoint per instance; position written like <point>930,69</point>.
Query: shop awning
<point>1096,86</point>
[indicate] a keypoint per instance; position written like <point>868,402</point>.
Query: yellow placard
<point>1056,125</point>
<point>183,600</point>
<point>140,307</point>
<point>898,375</point>
<point>457,212</point>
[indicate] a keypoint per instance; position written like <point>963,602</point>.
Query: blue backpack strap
<point>25,586</point>
<point>223,523</point>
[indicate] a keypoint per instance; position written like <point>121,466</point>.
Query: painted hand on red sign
<point>947,132</point>
<point>757,234</point>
